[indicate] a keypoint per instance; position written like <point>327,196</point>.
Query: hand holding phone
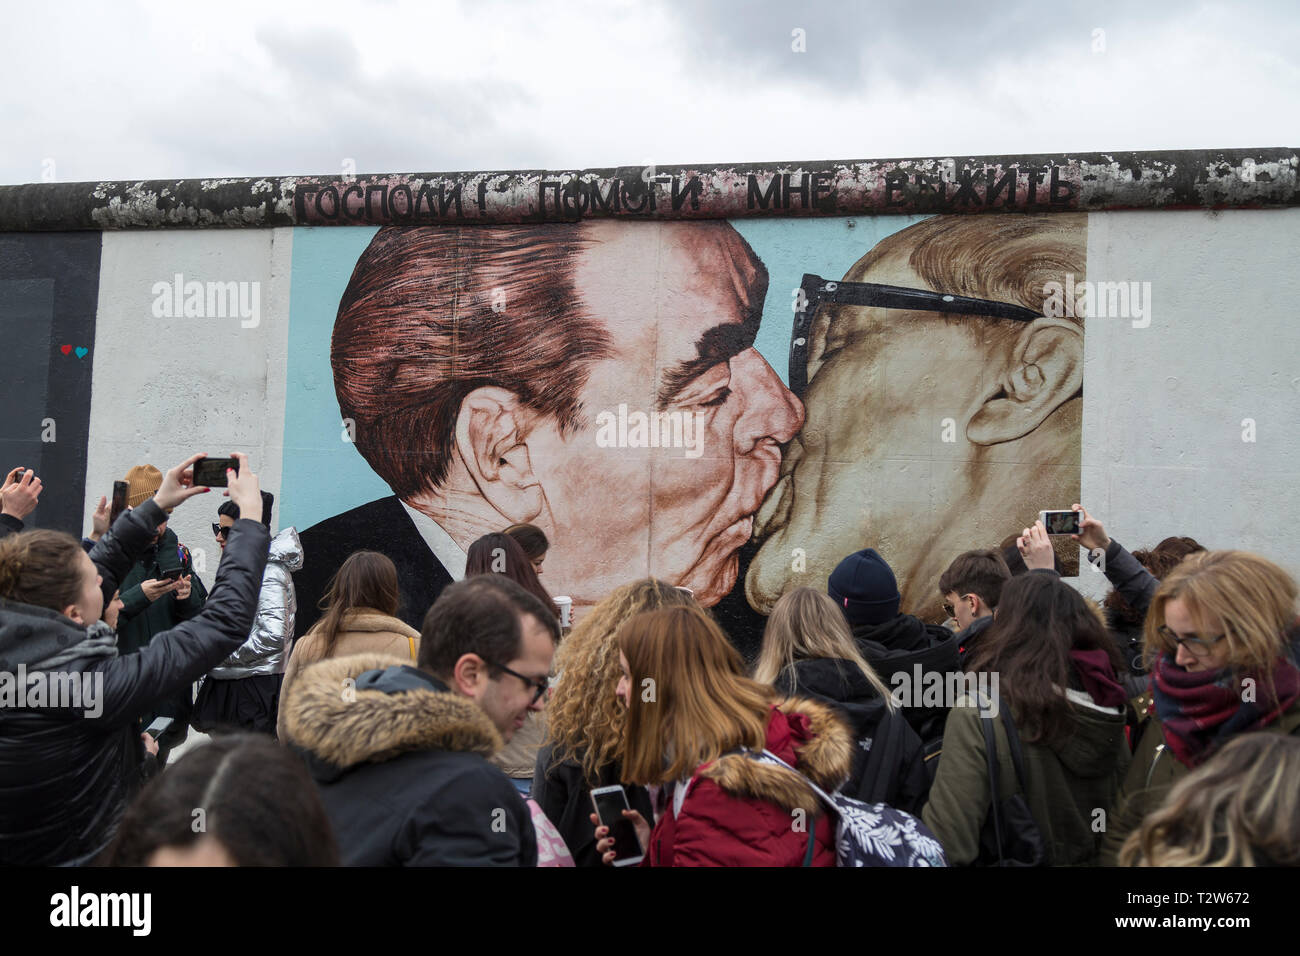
<point>1060,522</point>
<point>617,838</point>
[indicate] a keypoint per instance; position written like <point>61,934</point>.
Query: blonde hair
<point>690,700</point>
<point>584,718</point>
<point>1240,808</point>
<point>1253,599</point>
<point>806,624</point>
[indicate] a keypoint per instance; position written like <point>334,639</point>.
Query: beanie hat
<point>142,481</point>
<point>865,588</point>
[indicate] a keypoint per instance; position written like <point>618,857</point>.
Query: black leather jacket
<point>67,774</point>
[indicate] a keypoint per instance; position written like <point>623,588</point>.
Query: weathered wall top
<point>1184,179</point>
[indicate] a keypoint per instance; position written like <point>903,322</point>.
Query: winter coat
<point>1153,773</point>
<point>1066,782</point>
<point>67,775</point>
<point>10,525</point>
<point>401,765</point>
<point>519,755</point>
<point>267,649</point>
<point>364,631</point>
<point>888,759</point>
<point>563,793</point>
<point>737,811</point>
<point>896,648</point>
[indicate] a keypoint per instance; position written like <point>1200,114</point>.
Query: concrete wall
<point>1178,423</point>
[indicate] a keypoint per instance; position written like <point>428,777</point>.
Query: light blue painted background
<point>329,476</point>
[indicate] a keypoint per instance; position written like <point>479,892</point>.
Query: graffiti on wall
<point>658,403</point>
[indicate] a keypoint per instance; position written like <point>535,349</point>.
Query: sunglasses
<point>816,292</point>
<point>1198,646</point>
<point>220,531</point>
<point>539,686</point>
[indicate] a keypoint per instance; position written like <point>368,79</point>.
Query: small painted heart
<point>82,351</point>
<point>65,349</point>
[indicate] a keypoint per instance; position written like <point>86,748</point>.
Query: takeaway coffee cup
<point>565,604</point>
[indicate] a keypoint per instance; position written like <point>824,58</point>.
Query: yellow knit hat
<point>142,481</point>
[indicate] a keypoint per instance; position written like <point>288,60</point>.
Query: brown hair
<point>498,553</point>
<point>1007,258</point>
<point>1240,808</point>
<point>40,568</point>
<point>690,700</point>
<point>1253,599</point>
<point>531,538</point>
<point>433,312</point>
<point>584,720</point>
<point>1160,560</point>
<point>367,579</point>
<point>1040,620</point>
<point>976,572</point>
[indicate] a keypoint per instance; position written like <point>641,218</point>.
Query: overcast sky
<point>143,90</point>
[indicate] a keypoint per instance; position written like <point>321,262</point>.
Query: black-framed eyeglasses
<point>1198,646</point>
<point>220,531</point>
<point>816,292</point>
<point>539,686</point>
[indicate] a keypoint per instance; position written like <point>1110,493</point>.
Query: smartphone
<point>159,727</point>
<point>610,802</point>
<point>175,574</point>
<point>211,472</point>
<point>1060,522</point>
<point>120,489</point>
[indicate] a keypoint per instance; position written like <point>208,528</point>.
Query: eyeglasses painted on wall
<point>817,292</point>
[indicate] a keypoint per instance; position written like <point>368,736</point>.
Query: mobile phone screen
<point>211,472</point>
<point>120,489</point>
<point>1062,522</point>
<point>609,809</point>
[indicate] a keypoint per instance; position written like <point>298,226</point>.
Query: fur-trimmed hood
<point>807,734</point>
<point>369,708</point>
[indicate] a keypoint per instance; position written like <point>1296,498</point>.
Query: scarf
<point>42,639</point>
<point>1098,677</point>
<point>1201,710</point>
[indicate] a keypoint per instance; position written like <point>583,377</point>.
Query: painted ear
<point>1043,371</point>
<point>492,439</point>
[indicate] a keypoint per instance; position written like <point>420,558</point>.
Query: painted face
<point>884,461</point>
<point>507,699</point>
<point>1179,619</point>
<point>90,599</point>
<point>680,304</point>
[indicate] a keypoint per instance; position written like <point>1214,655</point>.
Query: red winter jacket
<point>739,812</point>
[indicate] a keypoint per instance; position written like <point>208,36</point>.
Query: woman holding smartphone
<point>691,713</point>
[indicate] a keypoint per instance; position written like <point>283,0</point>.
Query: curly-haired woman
<point>585,719</point>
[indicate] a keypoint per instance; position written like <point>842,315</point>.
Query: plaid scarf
<point>1201,710</point>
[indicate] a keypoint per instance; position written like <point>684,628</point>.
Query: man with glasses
<point>400,752</point>
<point>942,406</point>
<point>970,589</point>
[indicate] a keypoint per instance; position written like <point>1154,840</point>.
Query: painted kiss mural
<point>732,408</point>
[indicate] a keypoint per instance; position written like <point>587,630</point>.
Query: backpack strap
<point>1013,738</point>
<point>991,754</point>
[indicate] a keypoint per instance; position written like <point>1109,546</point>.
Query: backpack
<point>869,834</point>
<point>1010,836</point>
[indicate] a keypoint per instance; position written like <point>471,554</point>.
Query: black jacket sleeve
<point>115,553</point>
<point>1134,583</point>
<point>176,658</point>
<point>10,525</point>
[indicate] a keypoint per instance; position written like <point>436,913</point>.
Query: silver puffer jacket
<point>267,649</point>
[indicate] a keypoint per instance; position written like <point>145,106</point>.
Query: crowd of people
<point>1034,727</point>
